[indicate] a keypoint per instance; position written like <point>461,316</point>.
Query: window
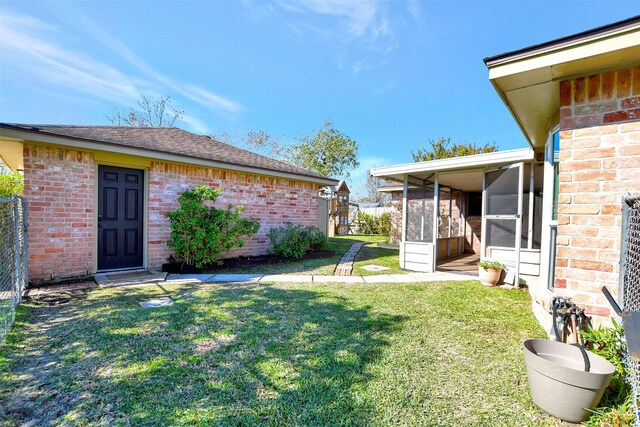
<point>553,155</point>
<point>474,206</point>
<point>556,174</point>
<point>344,220</point>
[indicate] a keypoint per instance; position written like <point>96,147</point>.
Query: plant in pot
<point>489,272</point>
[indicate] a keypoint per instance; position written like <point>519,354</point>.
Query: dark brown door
<point>120,217</point>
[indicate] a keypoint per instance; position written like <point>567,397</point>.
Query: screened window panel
<point>455,227</point>
<point>524,242</point>
<point>443,227</point>
<point>420,215</point>
<point>502,192</point>
<point>501,232</point>
<point>456,214</point>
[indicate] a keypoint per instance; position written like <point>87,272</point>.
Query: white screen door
<point>502,217</point>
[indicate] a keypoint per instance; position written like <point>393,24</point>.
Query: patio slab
<point>379,278</point>
<point>403,278</point>
<point>236,278</point>
<point>374,267</point>
<point>289,278</point>
<point>202,278</point>
<point>338,279</point>
<point>127,278</point>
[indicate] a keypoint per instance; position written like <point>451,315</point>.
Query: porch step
<point>128,278</point>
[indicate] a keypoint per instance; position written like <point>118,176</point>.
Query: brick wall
<point>599,162</point>
<point>59,189</point>
<point>272,201</point>
<point>473,231</point>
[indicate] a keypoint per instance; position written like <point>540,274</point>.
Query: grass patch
<point>373,255</point>
<point>283,354</point>
<point>323,266</point>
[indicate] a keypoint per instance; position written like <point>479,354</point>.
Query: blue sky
<point>389,74</point>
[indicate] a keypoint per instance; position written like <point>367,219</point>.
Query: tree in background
<point>151,111</point>
<point>256,141</point>
<point>370,193</point>
<point>443,149</point>
<point>326,151</point>
<point>11,184</point>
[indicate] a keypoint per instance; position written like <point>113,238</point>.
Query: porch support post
<point>516,280</point>
<point>436,213</point>
<point>530,225</point>
<point>483,219</point>
<point>404,219</point>
<point>450,220</point>
<point>462,232</point>
<point>422,216</point>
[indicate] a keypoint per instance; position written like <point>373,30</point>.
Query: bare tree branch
<point>151,111</point>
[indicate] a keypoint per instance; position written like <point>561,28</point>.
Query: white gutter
<point>156,155</point>
<point>573,50</point>
<point>454,163</point>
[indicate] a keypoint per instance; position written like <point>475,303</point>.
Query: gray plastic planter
<point>557,380</point>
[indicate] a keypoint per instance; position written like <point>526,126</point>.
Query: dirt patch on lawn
<point>242,262</point>
<point>38,367</point>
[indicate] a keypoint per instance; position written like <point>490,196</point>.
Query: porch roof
<point>528,79</point>
<point>448,169</point>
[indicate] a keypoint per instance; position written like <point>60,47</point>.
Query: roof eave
<point>49,138</point>
<point>454,163</point>
<point>527,80</point>
<point>563,42</point>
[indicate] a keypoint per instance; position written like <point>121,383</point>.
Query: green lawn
<point>324,266</point>
<point>283,354</point>
<point>373,255</point>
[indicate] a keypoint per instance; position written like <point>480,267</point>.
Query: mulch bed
<point>241,262</point>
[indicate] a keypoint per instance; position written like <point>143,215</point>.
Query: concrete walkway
<point>253,278</point>
<point>301,278</point>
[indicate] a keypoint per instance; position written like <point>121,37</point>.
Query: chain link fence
<point>630,280</point>
<point>13,259</point>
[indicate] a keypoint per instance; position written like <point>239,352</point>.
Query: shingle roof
<point>167,140</point>
<point>629,22</point>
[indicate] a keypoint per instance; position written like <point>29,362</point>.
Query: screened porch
<point>488,206</point>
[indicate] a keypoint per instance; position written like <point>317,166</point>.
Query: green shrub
<point>317,239</point>
<point>383,224</point>
<point>616,404</point>
<point>200,234</point>
<point>367,223</point>
<point>375,225</point>
<point>489,263</point>
<point>293,241</point>
<point>11,184</point>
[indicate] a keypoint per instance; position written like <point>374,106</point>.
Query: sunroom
<point>496,198</point>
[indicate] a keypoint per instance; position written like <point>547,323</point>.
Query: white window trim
<point>547,212</point>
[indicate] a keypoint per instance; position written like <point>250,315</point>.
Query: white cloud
<point>359,176</point>
<point>365,26</point>
<point>26,47</point>
<point>202,96</point>
<point>195,124</point>
<point>31,47</point>
<point>364,19</point>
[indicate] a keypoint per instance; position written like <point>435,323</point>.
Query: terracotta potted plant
<point>489,272</point>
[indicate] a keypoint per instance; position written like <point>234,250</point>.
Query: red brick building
<point>97,195</point>
<point>551,212</point>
